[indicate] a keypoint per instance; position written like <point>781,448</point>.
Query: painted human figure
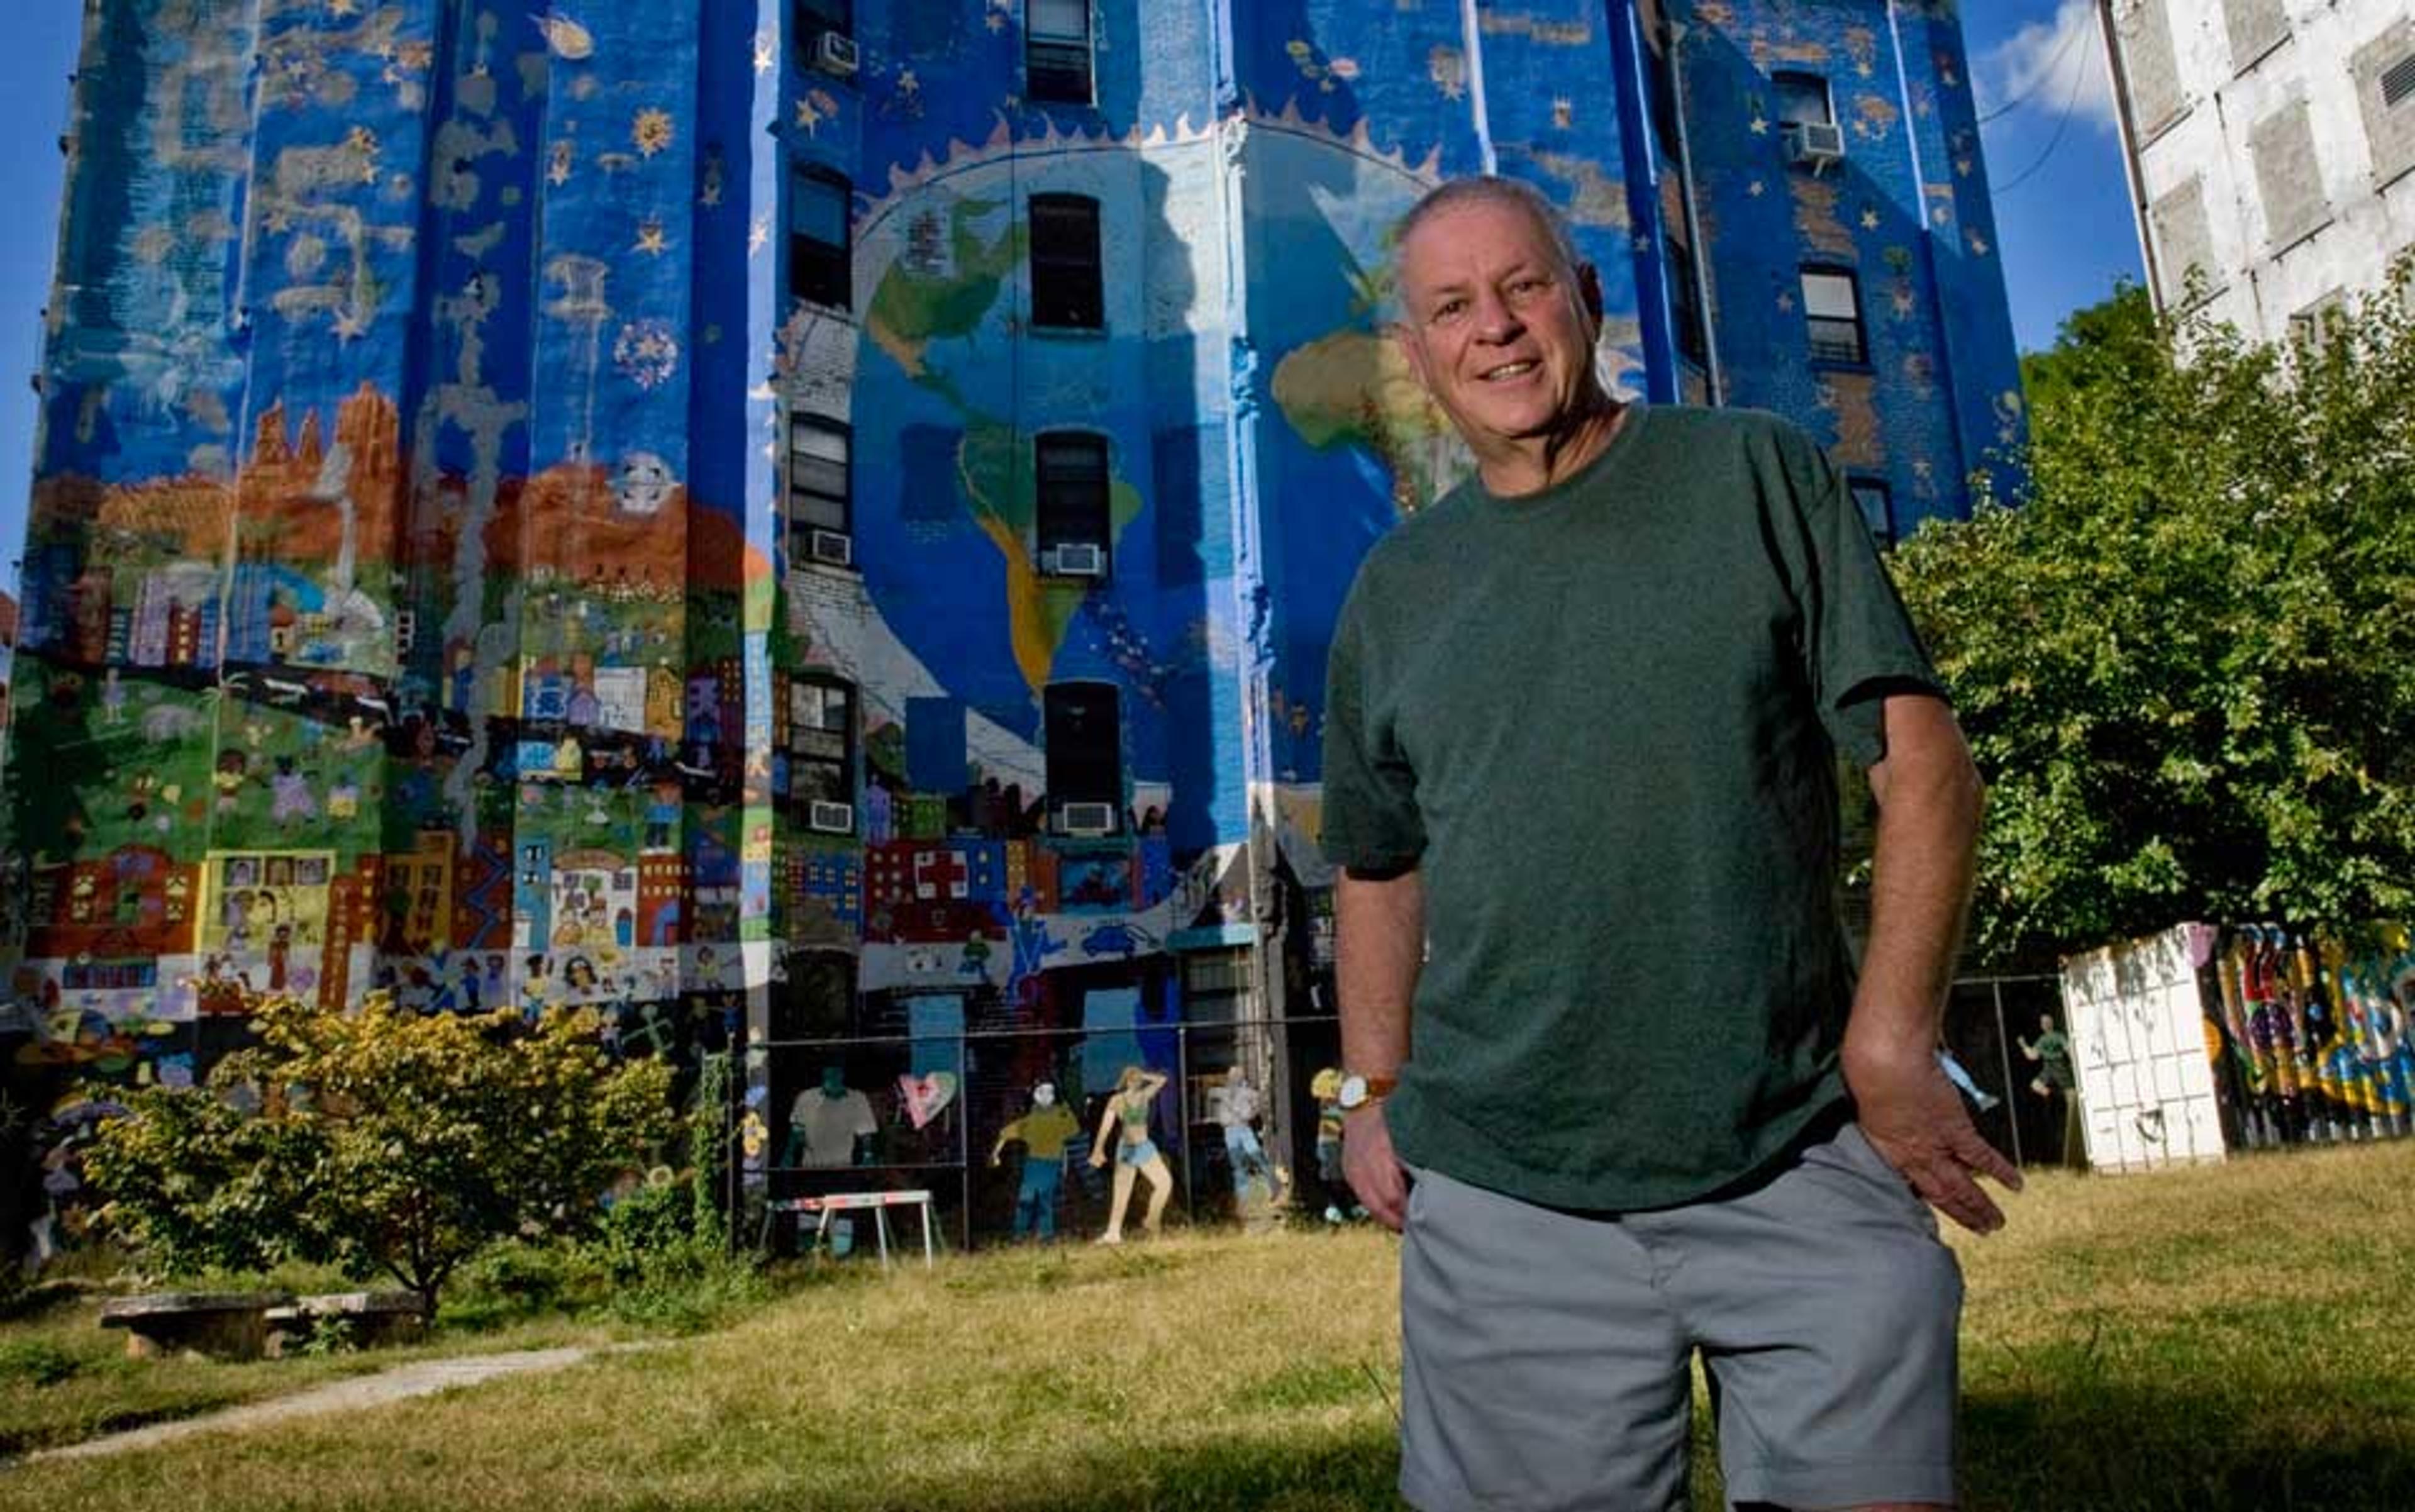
<point>1238,1112</point>
<point>2052,1052</point>
<point>1326,1086</point>
<point>1044,1134</point>
<point>827,1125</point>
<point>1956,1072</point>
<point>1124,1124</point>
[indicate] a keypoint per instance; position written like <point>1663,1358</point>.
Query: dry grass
<point>2222,1339</point>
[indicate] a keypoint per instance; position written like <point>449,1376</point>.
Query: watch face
<point>1353,1091</point>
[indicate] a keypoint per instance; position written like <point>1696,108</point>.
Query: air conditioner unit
<point>1077,560</point>
<point>832,819</point>
<point>1089,820</point>
<point>1817,143</point>
<point>836,53</point>
<point>834,548</point>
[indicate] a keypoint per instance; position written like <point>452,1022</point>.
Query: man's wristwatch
<point>1357,1091</point>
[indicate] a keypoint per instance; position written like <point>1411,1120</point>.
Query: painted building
<point>2271,151</point>
<point>825,517</point>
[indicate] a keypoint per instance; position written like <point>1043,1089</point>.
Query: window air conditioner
<point>832,819</point>
<point>1817,143</point>
<point>836,53</point>
<point>834,548</point>
<point>1088,820</point>
<point>1072,560</point>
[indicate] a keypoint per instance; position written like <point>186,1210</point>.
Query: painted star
<point>765,53</point>
<point>350,326</point>
<point>808,118</point>
<point>1785,302</point>
<point>1759,125</point>
<point>758,235</point>
<point>1756,188</point>
<point>1869,220</point>
<point>651,239</point>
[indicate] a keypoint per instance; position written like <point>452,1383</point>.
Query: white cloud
<point>2040,66</point>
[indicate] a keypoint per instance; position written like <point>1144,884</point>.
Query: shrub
<point>381,1139</point>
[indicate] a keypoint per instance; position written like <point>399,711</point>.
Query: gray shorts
<point>1545,1355</point>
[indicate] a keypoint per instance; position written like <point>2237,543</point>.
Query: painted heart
<point>926,1094</point>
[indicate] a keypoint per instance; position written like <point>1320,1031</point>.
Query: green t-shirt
<point>1602,722</point>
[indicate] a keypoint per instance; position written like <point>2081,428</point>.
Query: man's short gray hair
<point>1494,189</point>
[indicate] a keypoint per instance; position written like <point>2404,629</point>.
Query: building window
<point>2384,71</point>
<point>1686,304</point>
<point>2289,176</point>
<point>821,745</point>
<point>1876,501</point>
<point>810,18</point>
<point>819,494</point>
<point>1057,51</point>
<point>1085,755</point>
<point>2314,327</point>
<point>819,269</point>
<point>1803,100</point>
<point>1832,310</point>
<point>1066,289</point>
<point>1070,474</point>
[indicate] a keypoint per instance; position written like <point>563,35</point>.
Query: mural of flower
<point>651,131</point>
<point>646,353</point>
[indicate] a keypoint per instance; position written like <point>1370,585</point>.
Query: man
<point>1583,717</point>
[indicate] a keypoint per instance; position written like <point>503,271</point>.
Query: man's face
<point>1496,325</point>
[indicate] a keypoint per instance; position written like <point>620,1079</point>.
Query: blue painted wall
<point>409,596</point>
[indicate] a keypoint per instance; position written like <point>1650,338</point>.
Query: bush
<point>381,1139</point>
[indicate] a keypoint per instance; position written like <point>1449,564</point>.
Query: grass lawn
<point>2217,1340</point>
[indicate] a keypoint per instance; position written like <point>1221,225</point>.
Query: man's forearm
<point>1929,798</point>
<point>1379,946</point>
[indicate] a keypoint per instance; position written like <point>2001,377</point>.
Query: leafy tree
<point>2187,661</point>
<point>382,1140</point>
<point>2094,346</point>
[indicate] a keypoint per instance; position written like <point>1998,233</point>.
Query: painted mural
<point>570,504</point>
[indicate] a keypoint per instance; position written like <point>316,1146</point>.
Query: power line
<point>2070,104</point>
<point>2045,76</point>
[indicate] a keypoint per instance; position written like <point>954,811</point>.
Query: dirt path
<point>421,1379</point>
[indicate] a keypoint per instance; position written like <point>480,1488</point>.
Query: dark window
<point>1084,746</point>
<point>817,237</point>
<point>1686,304</point>
<point>1832,310</point>
<point>811,18</point>
<point>1057,51</point>
<point>1070,477</point>
<point>1066,289</point>
<point>819,492</point>
<point>1877,505</point>
<point>822,740</point>
<point>1803,99</point>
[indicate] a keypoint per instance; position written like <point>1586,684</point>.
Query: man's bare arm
<point>1379,946</point>
<point>1928,796</point>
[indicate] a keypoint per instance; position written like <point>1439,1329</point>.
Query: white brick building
<point>2272,146</point>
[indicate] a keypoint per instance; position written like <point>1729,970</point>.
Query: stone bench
<point>219,1325</point>
<point>367,1319</point>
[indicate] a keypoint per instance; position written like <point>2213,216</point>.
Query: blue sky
<point>2053,156</point>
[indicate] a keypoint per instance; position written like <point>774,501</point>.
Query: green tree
<point>383,1140</point>
<point>2187,661</point>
